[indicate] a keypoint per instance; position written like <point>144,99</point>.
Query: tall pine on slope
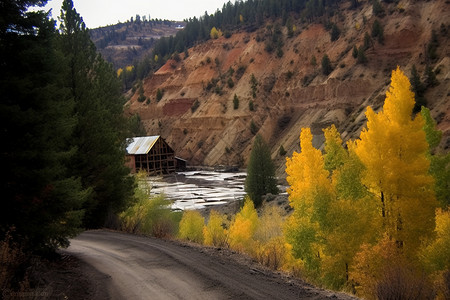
<point>260,172</point>
<point>393,149</point>
<point>40,198</point>
<point>100,131</point>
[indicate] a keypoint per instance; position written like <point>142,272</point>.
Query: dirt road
<point>145,268</point>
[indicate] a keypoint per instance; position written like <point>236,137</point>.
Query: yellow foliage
<point>215,33</point>
<point>436,256</point>
<point>129,68</point>
<point>214,233</point>
<point>191,226</point>
<point>242,228</point>
<point>156,58</point>
<point>393,149</point>
<point>306,173</point>
<point>274,253</point>
<point>119,72</point>
<point>241,18</point>
<point>357,26</point>
<point>371,263</point>
<point>270,224</point>
<point>382,271</point>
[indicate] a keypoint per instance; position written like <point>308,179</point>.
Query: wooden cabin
<point>151,154</point>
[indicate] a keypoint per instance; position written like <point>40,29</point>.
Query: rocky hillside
<point>124,43</point>
<point>191,101</point>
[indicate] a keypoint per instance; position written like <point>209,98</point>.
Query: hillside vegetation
<point>125,44</point>
<point>275,75</point>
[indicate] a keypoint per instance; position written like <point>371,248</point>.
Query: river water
<point>199,189</point>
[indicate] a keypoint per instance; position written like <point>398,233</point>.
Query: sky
<point>97,13</point>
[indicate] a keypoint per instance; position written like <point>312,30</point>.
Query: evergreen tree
<point>41,199</point>
<point>419,90</point>
<point>335,32</point>
<point>260,172</point>
<point>100,131</point>
<point>326,65</point>
<point>235,102</point>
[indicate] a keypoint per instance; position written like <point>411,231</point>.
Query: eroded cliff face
<point>196,114</point>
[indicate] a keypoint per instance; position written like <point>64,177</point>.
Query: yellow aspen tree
<point>214,233</point>
<point>310,193</point>
<point>351,215</point>
<point>243,227</point>
<point>393,150</point>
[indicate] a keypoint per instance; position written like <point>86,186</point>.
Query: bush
<point>335,32</point>
<point>215,233</point>
<point>253,128</point>
<point>12,261</point>
<point>159,94</point>
<point>191,226</point>
<point>235,102</point>
<point>149,215</point>
<point>326,65</point>
<point>281,151</point>
<point>274,253</point>
<point>230,83</point>
<point>243,227</point>
<point>251,106</point>
<point>383,272</point>
<point>194,106</point>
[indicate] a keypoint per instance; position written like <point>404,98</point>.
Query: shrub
<point>281,151</point>
<point>240,71</point>
<point>355,52</point>
<point>12,261</point>
<point>313,61</point>
<point>235,102</point>
<point>251,106</point>
<point>230,83</point>
<point>361,59</point>
<point>149,215</point>
<point>243,227</point>
<point>253,128</point>
<point>159,94</point>
<point>141,98</point>
<point>367,41</point>
<point>274,253</point>
<point>253,85</point>
<point>195,105</point>
<point>335,32</point>
<point>377,8</point>
<point>191,226</point>
<point>377,31</point>
<point>383,272</point>
<point>326,65</point>
<point>215,233</point>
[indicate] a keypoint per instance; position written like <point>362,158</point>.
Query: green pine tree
<point>101,129</point>
<point>41,199</point>
<point>260,172</point>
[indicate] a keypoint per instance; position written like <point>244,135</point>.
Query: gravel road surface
<point>136,267</point>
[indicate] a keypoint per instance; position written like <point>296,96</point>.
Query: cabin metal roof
<point>141,145</point>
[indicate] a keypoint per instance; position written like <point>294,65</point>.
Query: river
<point>199,189</point>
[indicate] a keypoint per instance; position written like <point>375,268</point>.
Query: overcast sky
<point>98,13</point>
